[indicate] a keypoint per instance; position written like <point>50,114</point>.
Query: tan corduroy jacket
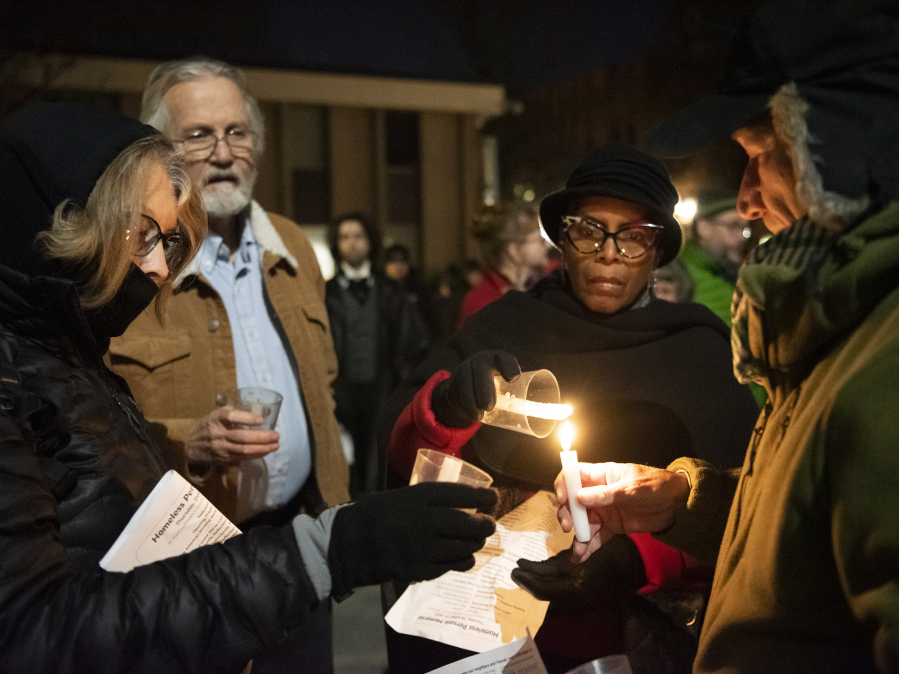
<point>183,371</point>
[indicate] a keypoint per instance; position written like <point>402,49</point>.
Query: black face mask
<point>114,317</point>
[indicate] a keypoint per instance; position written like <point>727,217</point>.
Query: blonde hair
<point>495,227</point>
<point>91,241</point>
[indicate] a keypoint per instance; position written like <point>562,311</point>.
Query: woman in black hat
<point>116,217</point>
<point>647,379</point>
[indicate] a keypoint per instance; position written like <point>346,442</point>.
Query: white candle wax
<point>529,408</point>
<point>573,484</point>
<point>450,470</point>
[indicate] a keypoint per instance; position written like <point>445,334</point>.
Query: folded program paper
<point>521,657</point>
<point>173,520</point>
<point>483,608</point>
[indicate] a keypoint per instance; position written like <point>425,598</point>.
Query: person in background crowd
<point>397,263</point>
<point>513,251</point>
<point>448,290</point>
<point>378,336</point>
<point>673,282</point>
<point>624,361</point>
<point>805,536</point>
<point>472,273</point>
<point>432,303</point>
<point>77,457</point>
<point>713,253</point>
<point>249,312</point>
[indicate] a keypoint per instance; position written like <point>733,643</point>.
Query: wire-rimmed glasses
<point>150,234</point>
<point>201,143</point>
<point>588,236</point>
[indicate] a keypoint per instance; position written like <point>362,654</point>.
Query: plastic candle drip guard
<point>525,404</point>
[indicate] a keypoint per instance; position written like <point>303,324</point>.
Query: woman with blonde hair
<point>513,253</point>
<point>77,458</point>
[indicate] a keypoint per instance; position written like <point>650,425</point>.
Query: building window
<point>403,167</point>
<point>307,144</point>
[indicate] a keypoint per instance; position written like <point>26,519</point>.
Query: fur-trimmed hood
<point>789,112</point>
<point>828,71</point>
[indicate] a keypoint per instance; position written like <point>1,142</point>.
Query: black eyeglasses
<point>588,236</point>
<point>151,234</point>
<point>201,143</point>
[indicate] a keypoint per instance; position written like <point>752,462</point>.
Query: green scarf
<point>804,289</point>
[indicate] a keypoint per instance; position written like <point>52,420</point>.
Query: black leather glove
<point>617,564</point>
<point>408,534</point>
<point>462,399</point>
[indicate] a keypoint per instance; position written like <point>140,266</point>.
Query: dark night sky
<point>517,43</point>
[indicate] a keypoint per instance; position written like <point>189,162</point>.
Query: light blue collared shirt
<point>260,360</point>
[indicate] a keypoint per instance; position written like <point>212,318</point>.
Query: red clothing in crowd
<point>493,286</point>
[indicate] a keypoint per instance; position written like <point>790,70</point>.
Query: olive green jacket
<point>807,576</point>
<point>181,372</point>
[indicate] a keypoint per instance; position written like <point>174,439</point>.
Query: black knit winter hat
<point>50,152</point>
<point>622,172</point>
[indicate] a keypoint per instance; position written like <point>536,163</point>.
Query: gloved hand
<point>408,534</point>
<point>462,399</point>
<point>617,564</point>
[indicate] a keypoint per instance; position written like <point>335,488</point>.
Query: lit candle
<point>573,484</point>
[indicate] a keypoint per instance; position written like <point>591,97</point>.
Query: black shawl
<point>648,385</point>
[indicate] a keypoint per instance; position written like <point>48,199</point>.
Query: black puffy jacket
<point>76,461</point>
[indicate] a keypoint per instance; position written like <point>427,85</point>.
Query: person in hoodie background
<point>105,217</point>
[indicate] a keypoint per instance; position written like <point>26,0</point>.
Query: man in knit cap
<point>713,252</point>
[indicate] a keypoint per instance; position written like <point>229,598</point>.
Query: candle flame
<point>567,434</point>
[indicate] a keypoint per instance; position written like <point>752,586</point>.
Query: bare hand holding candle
<point>573,484</point>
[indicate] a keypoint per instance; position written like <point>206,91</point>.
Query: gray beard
<point>225,200</point>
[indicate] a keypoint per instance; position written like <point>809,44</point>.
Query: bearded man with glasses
<point>249,312</point>
<point>642,374</point>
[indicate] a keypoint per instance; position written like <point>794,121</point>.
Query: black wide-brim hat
<point>623,172</point>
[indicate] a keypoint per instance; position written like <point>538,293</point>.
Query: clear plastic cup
<point>518,403</point>
<point>262,401</point>
<point>611,664</point>
<point>433,466</point>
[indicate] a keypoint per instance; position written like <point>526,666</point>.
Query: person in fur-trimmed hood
<point>805,536</point>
